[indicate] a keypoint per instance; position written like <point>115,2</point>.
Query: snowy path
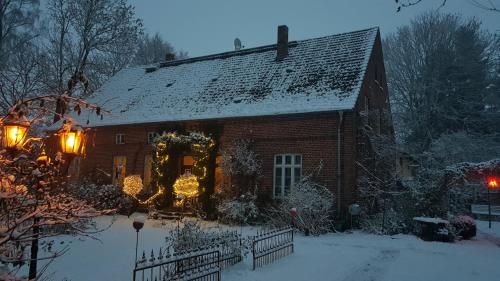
<point>374,269</point>
<point>333,257</point>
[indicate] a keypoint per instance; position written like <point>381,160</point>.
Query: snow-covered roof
<point>321,74</point>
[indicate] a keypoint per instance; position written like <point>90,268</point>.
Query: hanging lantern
<point>73,141</point>
<point>14,132</point>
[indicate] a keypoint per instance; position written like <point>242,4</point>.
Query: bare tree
<point>21,78</point>
<point>92,36</point>
<point>153,49</point>
<point>17,19</point>
<point>97,37</point>
<point>439,71</point>
<point>487,5</point>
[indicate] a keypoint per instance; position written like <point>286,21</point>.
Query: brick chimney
<point>282,46</point>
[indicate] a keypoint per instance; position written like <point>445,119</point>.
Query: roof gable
<point>321,74</point>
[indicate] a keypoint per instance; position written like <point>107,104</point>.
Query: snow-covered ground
<point>355,256</point>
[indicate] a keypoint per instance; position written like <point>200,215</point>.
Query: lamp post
<point>137,224</point>
<point>492,183</point>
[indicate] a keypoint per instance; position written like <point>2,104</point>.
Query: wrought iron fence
<point>272,245</point>
<point>220,250</point>
<point>200,265</point>
<point>229,245</point>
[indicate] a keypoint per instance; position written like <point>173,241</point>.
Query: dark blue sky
<point>203,27</point>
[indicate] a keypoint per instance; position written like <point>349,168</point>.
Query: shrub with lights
<point>168,148</point>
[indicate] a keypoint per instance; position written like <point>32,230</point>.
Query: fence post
<point>253,253</point>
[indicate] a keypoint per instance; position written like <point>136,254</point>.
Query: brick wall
<point>314,136</point>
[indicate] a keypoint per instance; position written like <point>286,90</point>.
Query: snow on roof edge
<point>104,124</point>
<point>349,105</point>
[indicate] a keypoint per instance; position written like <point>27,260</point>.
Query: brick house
<point>300,102</point>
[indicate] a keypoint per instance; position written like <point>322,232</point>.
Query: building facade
<point>301,103</point>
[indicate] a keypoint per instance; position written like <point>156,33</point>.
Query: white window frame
<point>120,139</point>
<point>151,137</point>
<point>293,165</point>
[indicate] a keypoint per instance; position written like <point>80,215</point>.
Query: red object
<point>293,212</point>
<point>493,182</point>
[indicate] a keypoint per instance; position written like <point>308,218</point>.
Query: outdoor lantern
<point>14,132</point>
<point>493,183</point>
<point>73,141</point>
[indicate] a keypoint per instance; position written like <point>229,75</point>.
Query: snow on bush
<point>191,236</point>
<point>388,222</point>
<point>314,205</point>
<point>464,226</point>
<point>103,197</point>
<point>240,159</point>
<point>240,210</point>
<point>237,204</point>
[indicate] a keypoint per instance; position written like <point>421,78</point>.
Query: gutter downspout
<point>339,173</point>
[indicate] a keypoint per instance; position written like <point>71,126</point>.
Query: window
<point>120,138</point>
<point>119,169</point>
<point>151,137</point>
<point>187,164</point>
<point>287,172</point>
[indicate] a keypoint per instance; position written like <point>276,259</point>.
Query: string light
<point>187,185</point>
<point>132,185</point>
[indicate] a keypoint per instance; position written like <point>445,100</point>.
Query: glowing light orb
<point>186,185</point>
<point>132,185</point>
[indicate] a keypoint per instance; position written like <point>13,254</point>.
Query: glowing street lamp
<point>73,141</point>
<point>492,183</point>
<point>14,132</point>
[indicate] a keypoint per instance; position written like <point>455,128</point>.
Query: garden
<point>337,256</point>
